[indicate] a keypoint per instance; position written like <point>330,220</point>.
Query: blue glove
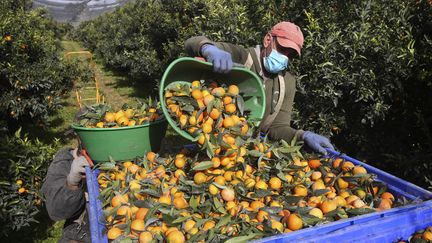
<point>317,142</point>
<point>222,61</point>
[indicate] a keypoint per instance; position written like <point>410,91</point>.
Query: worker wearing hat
<point>270,61</point>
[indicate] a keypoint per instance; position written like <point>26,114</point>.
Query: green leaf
<point>223,221</point>
<point>181,219</point>
<point>360,211</point>
<point>203,165</point>
<point>241,239</point>
<point>255,153</point>
<point>219,206</point>
<point>240,104</point>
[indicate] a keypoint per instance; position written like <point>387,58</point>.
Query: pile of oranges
<point>101,116</point>
<point>241,186</point>
<point>128,117</point>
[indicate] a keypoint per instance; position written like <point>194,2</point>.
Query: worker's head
<point>285,40</point>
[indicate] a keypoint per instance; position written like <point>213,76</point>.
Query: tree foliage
<point>364,74</point>
<point>33,76</point>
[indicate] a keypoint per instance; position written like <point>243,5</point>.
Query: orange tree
<point>33,77</point>
<point>363,75</point>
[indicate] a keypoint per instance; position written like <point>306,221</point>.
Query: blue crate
<point>386,226</point>
<point>94,208</point>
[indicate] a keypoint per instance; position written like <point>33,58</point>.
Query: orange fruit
<point>337,162</point>
<point>118,115</point>
<point>262,215</point>
<point>228,122</point>
<point>318,185</point>
<point>350,199</point>
<point>119,199</point>
<point>316,212</point>
<point>314,163</point>
<point>180,203</point>
<point>124,211</point>
<point>208,225</point>
<point>227,100</point>
<point>388,195</point>
<point>294,222</point>
<point>216,162</point>
<point>244,129</point>
<point>187,226</point>
<point>196,84</point>
<point>214,114</point>
<point>347,166</point>
<point>219,92</point>
<point>200,178</point>
<point>183,120</point>
<point>141,213</point>
<point>151,156</point>
<point>260,184</point>
<point>175,236</point>
<point>220,180</point>
<point>277,226</point>
<point>213,190</point>
<point>196,94</point>
<point>384,204</point>
<point>207,128</point>
<point>180,162</point>
<point>207,99</point>
<point>342,183</point>
<point>228,194</point>
<point>275,183</point>
<point>114,233</point>
<point>165,200</point>
<point>328,206</point>
<point>137,225</point>
<point>109,117</point>
<point>145,237</point>
<point>427,236</point>
<point>202,138</point>
<point>230,108</point>
<point>123,121</point>
<point>358,203</point>
<point>233,90</point>
<point>359,170</point>
<point>316,175</point>
<point>300,190</point>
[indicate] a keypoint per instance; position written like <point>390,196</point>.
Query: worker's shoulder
<point>63,155</point>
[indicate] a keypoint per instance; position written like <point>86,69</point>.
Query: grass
<point>117,89</point>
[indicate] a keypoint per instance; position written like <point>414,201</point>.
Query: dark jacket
<point>63,203</point>
<point>281,126</point>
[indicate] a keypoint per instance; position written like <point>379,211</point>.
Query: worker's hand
<point>222,61</point>
<point>317,142</point>
<point>77,171</point>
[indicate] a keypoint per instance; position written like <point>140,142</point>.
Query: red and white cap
<point>288,35</point>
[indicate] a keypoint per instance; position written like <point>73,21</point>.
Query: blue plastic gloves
<point>222,61</point>
<point>317,142</point>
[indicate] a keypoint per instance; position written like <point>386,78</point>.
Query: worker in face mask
<point>270,61</point>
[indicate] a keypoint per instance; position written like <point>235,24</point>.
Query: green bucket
<point>123,143</point>
<point>188,69</point>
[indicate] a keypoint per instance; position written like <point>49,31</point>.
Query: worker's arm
<point>221,54</point>
<point>63,201</point>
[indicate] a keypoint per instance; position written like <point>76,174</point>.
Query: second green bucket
<point>188,69</point>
